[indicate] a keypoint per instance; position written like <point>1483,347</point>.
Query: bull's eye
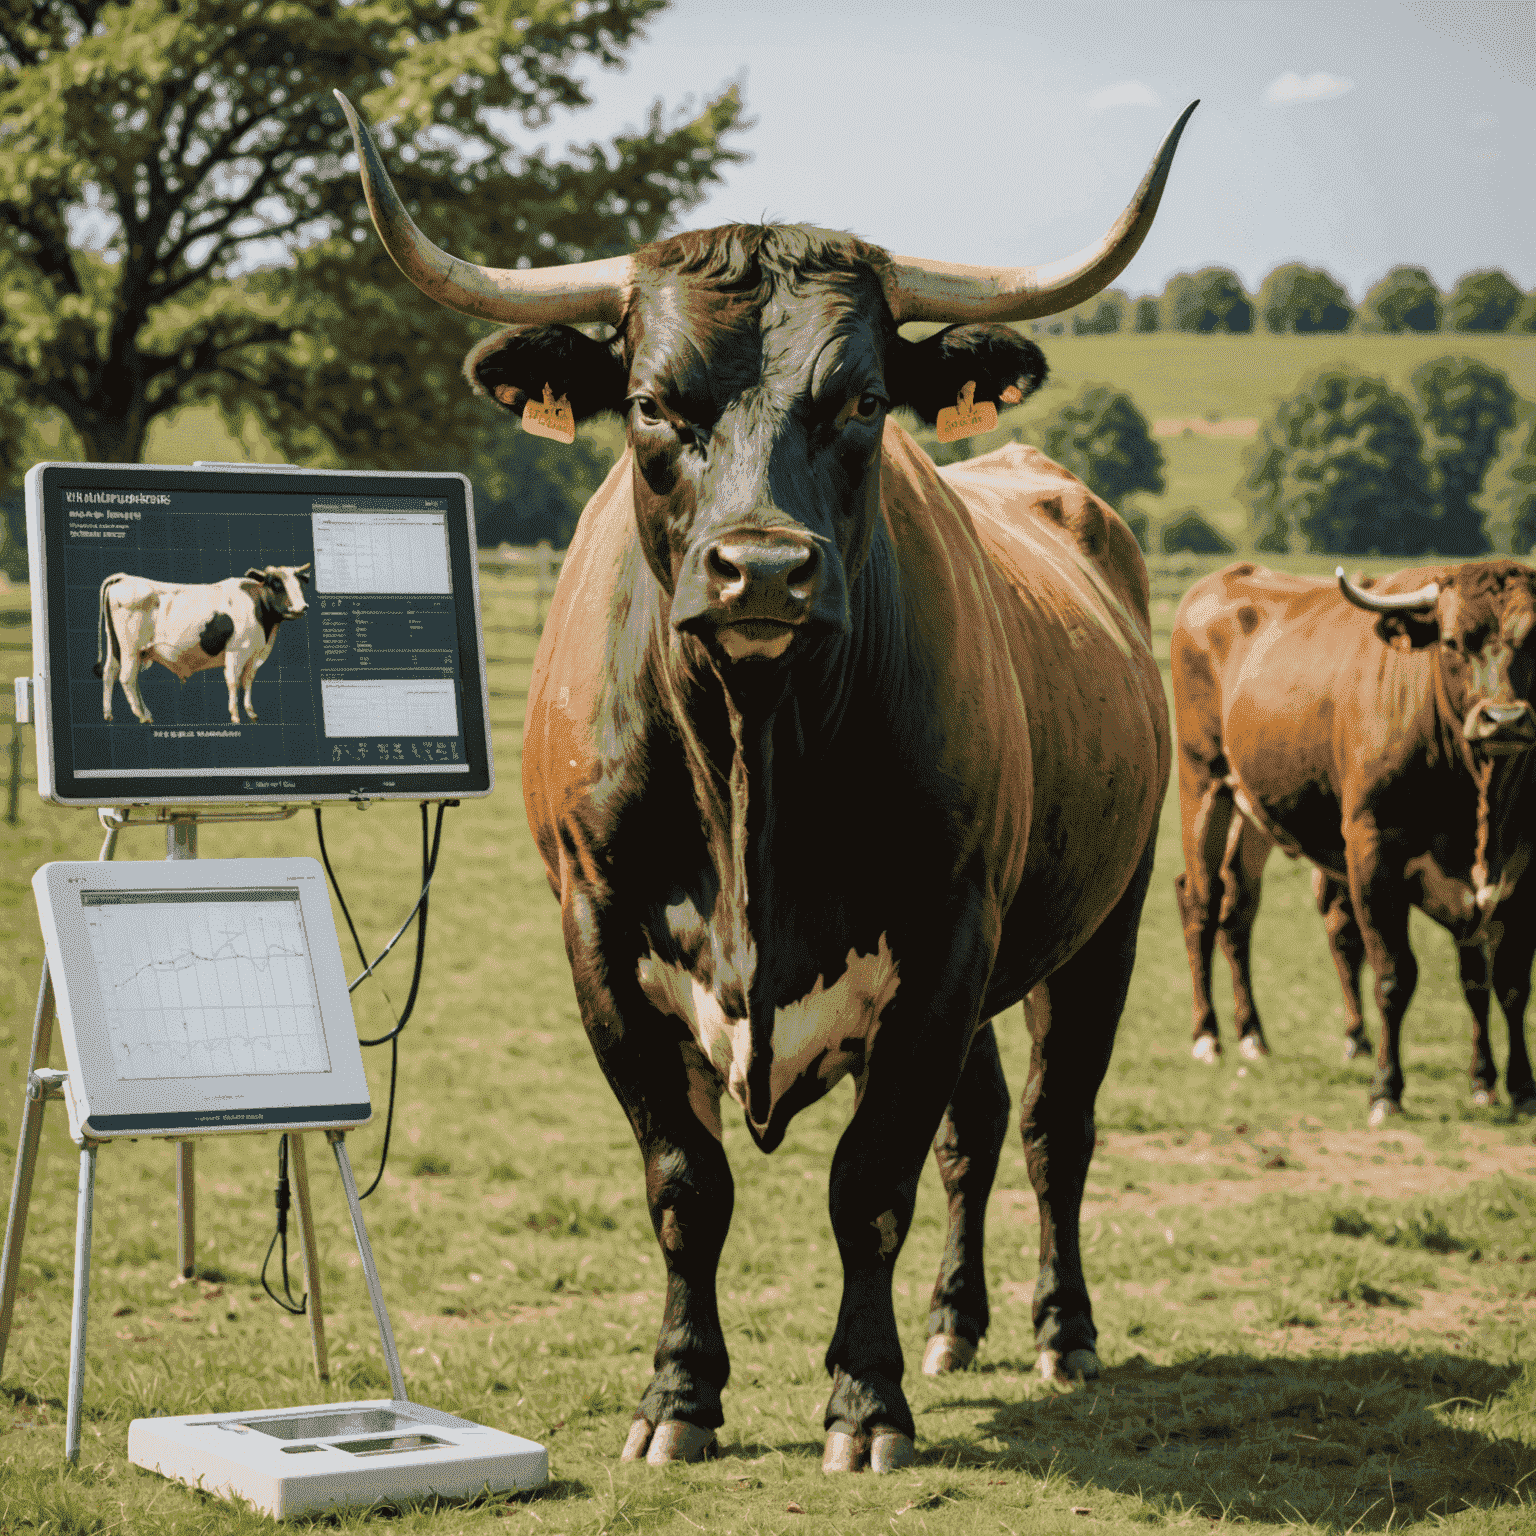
<point>867,407</point>
<point>646,409</point>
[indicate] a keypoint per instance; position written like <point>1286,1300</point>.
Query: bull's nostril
<point>804,574</point>
<point>720,567</point>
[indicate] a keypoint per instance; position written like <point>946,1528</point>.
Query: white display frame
<point>105,1105</point>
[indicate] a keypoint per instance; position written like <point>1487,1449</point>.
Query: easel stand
<point>181,843</point>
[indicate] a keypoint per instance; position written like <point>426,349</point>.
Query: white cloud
<point>1482,120</point>
<point>1291,87</point>
<point>1128,93</point>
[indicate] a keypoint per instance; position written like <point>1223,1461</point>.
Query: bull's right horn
<point>1421,601</point>
<point>587,290</point>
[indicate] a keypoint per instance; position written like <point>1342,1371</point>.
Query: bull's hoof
<point>947,1352</point>
<point>671,1440</point>
<point>1525,1106</point>
<point>882,1450</point>
<point>1252,1046</point>
<point>1382,1110</point>
<point>1484,1098</point>
<point>1075,1365</point>
<point>1207,1049</point>
<point>1356,1045</point>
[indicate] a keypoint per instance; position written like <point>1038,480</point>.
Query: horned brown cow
<point>1385,735</point>
<point>830,758</point>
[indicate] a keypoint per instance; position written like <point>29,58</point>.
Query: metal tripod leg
<point>77,1316</point>
<point>26,1157</point>
<point>370,1270</point>
<point>181,843</point>
<point>300,1168</point>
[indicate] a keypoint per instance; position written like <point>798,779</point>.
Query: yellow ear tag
<point>550,418</point>
<point>967,417</point>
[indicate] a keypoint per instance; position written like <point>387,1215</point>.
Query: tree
<point>529,488</point>
<point>1106,442</point>
<point>1191,534</point>
<point>1209,300</point>
<point>158,154</point>
<point>1465,407</point>
<point>1406,299</point>
<point>1483,301</point>
<point>1107,318</point>
<point>1522,476</point>
<point>1303,299</point>
<point>1146,315</point>
<point>1524,321</point>
<point>1341,465</point>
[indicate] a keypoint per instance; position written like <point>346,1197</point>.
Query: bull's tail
<point>106,633</point>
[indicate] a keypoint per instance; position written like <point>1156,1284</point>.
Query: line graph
<point>219,985</point>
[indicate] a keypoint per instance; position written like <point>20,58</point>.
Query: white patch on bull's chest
<point>830,1029</point>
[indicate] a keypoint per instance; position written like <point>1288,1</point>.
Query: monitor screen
<point>250,634</point>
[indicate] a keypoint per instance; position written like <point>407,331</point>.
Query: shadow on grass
<point>1351,1442</point>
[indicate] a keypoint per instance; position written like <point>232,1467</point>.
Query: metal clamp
<point>46,1083</point>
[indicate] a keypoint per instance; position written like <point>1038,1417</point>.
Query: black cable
<point>280,1195</point>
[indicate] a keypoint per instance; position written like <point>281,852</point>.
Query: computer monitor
<point>254,634</point>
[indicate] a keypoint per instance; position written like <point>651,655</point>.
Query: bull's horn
<point>1381,602</point>
<point>942,290</point>
<point>587,290</point>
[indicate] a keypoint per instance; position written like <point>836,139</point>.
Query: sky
<point>1356,135</point>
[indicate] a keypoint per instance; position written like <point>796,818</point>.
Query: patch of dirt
<point>1394,1163</point>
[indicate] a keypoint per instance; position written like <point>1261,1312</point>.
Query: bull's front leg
<point>671,1095</point>
<point>1380,898</point>
<point>912,1073</point>
<point>1347,949</point>
<point>967,1149</point>
<point>1472,962</point>
<point>1512,984</point>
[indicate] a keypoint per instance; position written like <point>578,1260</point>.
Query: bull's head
<point>282,587</point>
<point>755,367</point>
<point>1482,618</point>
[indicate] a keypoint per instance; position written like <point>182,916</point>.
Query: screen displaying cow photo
<point>247,635</point>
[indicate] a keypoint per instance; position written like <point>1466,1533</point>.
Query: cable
<point>280,1194</point>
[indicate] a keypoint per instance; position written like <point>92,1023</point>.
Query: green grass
<point>1304,1325</point>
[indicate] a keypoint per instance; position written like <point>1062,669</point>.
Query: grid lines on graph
<point>219,987</point>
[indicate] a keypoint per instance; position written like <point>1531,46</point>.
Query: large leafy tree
<point>1106,442</point>
<point>1406,299</point>
<point>1205,301</point>
<point>1465,407</point>
<point>1303,299</point>
<point>1341,464</point>
<point>1483,301</point>
<point>179,223</point>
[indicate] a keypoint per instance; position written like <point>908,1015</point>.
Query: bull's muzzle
<point>751,591</point>
<point>1508,727</point>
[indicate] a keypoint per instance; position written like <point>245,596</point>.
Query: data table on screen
<point>386,706</point>
<point>371,550</point>
<point>199,985</point>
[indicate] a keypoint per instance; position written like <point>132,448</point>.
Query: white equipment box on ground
<point>303,1461</point>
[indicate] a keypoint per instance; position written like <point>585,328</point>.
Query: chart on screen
<point>206,983</point>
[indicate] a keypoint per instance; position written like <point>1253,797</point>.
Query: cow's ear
<point>1408,631</point>
<point>515,365</point>
<point>256,573</point>
<point>928,375</point>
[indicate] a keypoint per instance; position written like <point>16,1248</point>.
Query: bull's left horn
<point>945,291</point>
<point>587,290</point>
<point>1382,602</point>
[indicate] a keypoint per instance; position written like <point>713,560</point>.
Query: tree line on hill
<point>1302,300</point>
<point>1347,465</point>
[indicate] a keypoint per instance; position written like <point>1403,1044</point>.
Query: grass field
<point>1305,1325</point>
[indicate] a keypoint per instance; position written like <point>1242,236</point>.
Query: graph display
<point>206,984</point>
<point>376,550</point>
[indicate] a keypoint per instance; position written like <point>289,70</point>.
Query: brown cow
<point>830,759</point>
<point>1385,735</point>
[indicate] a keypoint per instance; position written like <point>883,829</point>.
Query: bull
<point>193,627</point>
<point>830,758</point>
<point>1385,735</point>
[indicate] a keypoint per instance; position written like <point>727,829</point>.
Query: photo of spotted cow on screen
<point>192,628</point>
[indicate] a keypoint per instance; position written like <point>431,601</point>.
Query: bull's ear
<point>516,364</point>
<point>1408,631</point>
<point>302,572</point>
<point>928,375</point>
<point>256,573</point>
